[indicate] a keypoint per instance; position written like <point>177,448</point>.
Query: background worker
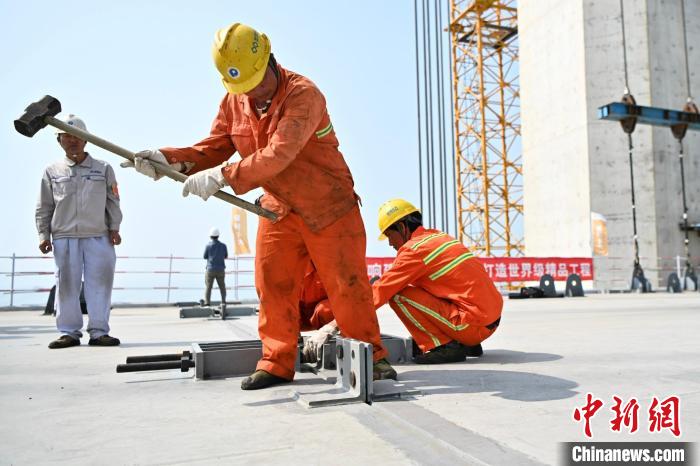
<point>278,123</point>
<point>78,208</point>
<point>441,293</point>
<point>215,253</point>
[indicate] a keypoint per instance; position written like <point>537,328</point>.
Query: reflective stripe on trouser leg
<point>69,271</point>
<point>338,252</point>
<point>280,263</point>
<point>424,338</point>
<point>439,317</point>
<point>99,260</point>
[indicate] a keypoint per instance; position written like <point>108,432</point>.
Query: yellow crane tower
<point>488,161</point>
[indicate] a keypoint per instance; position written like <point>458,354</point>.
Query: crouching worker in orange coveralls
<point>278,123</point>
<point>441,293</point>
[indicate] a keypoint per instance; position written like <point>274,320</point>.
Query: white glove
<point>314,344</point>
<point>142,163</point>
<point>205,183</point>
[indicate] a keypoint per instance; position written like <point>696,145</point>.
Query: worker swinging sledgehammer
<point>277,121</point>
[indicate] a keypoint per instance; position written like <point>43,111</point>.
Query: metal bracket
<point>354,375</point>
<point>221,312</point>
<point>351,371</point>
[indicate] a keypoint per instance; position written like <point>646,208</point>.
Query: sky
<point>140,75</point>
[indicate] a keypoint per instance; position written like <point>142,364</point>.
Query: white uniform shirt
<point>78,200</point>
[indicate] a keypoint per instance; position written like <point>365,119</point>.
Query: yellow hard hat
<point>241,54</point>
<point>391,212</point>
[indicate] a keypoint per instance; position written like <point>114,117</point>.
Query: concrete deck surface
<point>512,406</point>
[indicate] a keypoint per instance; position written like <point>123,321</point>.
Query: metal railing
<point>183,275</point>
<point>615,273</point>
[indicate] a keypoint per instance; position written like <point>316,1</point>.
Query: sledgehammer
<point>41,113</point>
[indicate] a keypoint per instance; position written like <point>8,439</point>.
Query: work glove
<point>142,163</point>
<point>205,183</point>
<point>314,344</point>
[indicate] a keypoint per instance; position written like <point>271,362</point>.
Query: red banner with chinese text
<point>512,269</point>
<point>524,269</point>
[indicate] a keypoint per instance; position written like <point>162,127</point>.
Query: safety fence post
<point>170,274</point>
<point>235,277</point>
<point>12,282</point>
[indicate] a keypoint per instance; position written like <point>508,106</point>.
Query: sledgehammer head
<point>33,118</point>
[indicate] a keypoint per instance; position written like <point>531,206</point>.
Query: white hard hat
<point>214,232</point>
<point>73,121</point>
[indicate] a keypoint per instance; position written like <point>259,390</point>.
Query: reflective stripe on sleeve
<point>322,132</point>
<point>451,265</point>
<point>439,250</point>
<point>427,238</point>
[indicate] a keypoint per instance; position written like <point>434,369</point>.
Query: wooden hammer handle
<point>166,170</point>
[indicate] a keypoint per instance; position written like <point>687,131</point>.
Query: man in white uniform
<point>78,208</point>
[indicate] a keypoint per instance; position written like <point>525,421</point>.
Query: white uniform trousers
<point>91,258</point>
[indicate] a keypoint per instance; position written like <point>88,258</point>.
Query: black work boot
<point>64,341</point>
<point>261,379</point>
<point>383,370</point>
<point>474,351</point>
<point>104,340</point>
<point>449,352</point>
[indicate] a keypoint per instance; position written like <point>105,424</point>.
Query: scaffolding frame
<point>488,158</point>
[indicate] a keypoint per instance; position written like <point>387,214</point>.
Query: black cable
<point>420,145</point>
<point>688,265</point>
<point>624,45</point>
<point>426,107</point>
<point>453,140</point>
<point>634,207</point>
<point>441,118</point>
<point>685,51</point>
<point>685,208</point>
<point>429,107</point>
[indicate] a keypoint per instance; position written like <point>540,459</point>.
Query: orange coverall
<point>440,291</point>
<point>291,151</point>
<point>315,309</point>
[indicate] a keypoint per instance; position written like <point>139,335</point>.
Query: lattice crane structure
<point>488,162</point>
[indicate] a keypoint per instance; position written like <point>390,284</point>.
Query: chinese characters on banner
<point>512,269</point>
<point>376,266</point>
<point>662,414</point>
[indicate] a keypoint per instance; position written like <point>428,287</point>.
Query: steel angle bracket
<point>354,377</point>
<point>400,351</point>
